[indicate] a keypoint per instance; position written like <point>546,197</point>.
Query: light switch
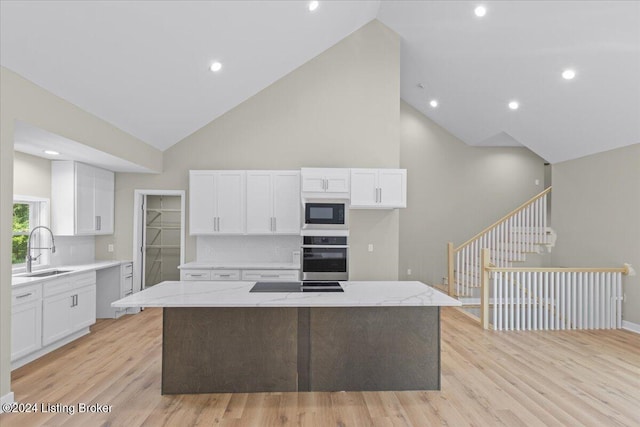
<point>370,247</point>
<point>110,248</point>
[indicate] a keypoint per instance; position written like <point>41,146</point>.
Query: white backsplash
<point>74,250</point>
<point>251,249</point>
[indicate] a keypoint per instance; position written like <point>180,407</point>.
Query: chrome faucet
<point>29,248</point>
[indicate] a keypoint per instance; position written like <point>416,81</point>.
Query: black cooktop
<point>297,287</point>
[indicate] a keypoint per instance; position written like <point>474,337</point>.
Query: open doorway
<point>159,224</point>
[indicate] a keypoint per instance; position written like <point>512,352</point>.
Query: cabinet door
<point>83,313</point>
<point>230,192</point>
<point>313,182</point>
<point>286,202</point>
<point>201,203</point>
<point>85,199</point>
<point>337,182</point>
<point>393,188</point>
<point>56,317</point>
<point>26,328</point>
<point>104,201</point>
<point>260,202</point>
<point>364,187</point>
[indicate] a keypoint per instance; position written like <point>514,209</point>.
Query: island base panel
<point>374,348</point>
<point>237,350</point>
<point>229,350</point>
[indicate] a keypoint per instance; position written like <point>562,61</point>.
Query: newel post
<point>485,260</point>
<point>450,260</point>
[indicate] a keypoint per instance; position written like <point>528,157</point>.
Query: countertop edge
<point>77,268</point>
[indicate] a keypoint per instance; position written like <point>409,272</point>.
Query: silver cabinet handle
<point>24,295</point>
<point>269,275</point>
<point>275,224</point>
<point>224,275</point>
<point>128,293</point>
<point>129,276</point>
<point>381,195</point>
<point>195,275</point>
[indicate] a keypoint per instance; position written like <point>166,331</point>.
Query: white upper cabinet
<point>89,191</point>
<point>330,182</point>
<point>273,202</point>
<point>378,188</point>
<point>217,202</point>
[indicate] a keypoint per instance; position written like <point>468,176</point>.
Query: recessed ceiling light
<point>313,5</point>
<point>514,105</point>
<point>480,11</point>
<point>568,74</point>
<point>433,103</point>
<point>51,152</point>
<point>215,67</point>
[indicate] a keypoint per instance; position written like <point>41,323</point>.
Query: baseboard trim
<point>7,398</point>
<point>629,326</point>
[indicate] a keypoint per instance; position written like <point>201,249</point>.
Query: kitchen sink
<point>47,273</point>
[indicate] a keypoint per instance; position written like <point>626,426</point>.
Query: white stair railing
<point>520,231</point>
<point>551,298</point>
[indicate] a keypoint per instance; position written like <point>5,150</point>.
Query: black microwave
<point>326,215</point>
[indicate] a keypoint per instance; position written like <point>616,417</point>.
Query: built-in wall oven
<point>325,214</point>
<point>325,258</point>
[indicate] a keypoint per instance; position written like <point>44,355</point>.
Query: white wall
<point>596,213</point>
<point>341,109</point>
<point>454,191</point>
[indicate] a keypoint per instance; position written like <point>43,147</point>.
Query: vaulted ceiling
<point>144,66</point>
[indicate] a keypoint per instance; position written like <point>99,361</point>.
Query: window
<point>28,213</point>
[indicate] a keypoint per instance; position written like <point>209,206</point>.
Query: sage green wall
<point>454,191</point>
<point>22,100</point>
<point>596,213</point>
<point>31,176</point>
<point>341,109</point>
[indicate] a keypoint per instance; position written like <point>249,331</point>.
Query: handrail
<point>626,270</point>
<point>487,268</point>
<point>504,218</point>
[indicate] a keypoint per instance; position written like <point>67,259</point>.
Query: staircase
<point>482,275</point>
<point>522,231</point>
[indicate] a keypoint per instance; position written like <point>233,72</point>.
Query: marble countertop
<point>240,266</point>
<point>18,280</point>
<point>236,294</point>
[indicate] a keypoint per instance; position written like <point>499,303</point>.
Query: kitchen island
<point>218,337</point>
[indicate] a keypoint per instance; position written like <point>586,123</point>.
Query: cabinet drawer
<point>127,269</point>
<point>26,294</point>
<point>195,274</point>
<point>83,279</point>
<point>57,286</point>
<point>270,275</point>
<point>225,275</point>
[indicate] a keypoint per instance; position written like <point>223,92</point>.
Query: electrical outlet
<point>110,248</point>
<point>370,248</point>
<point>408,272</point>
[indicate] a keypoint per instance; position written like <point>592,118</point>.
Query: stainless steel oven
<point>326,215</point>
<point>325,258</point>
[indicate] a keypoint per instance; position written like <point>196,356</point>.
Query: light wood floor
<point>488,379</point>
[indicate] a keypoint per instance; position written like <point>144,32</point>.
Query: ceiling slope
<point>144,66</point>
<point>475,66</point>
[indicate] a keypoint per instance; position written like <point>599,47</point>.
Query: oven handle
<point>324,246</point>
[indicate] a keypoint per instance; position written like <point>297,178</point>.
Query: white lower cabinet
<point>56,312</point>
<point>26,321</point>
<point>248,275</point>
<point>270,275</point>
<point>69,305</point>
